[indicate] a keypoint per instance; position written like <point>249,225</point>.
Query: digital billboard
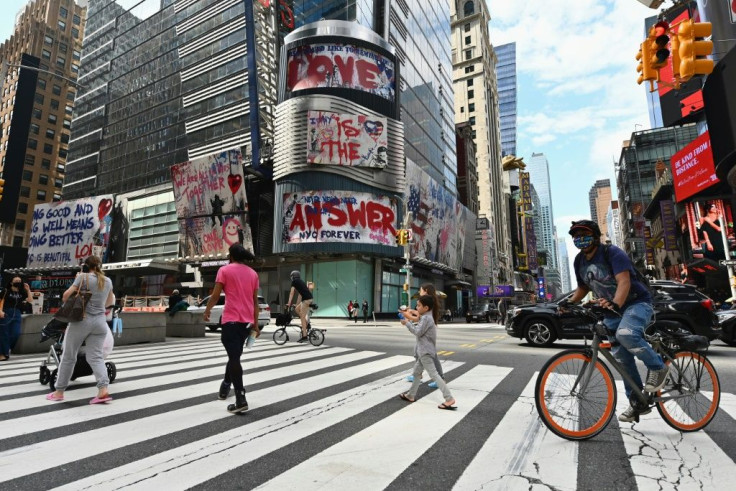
<point>693,168</point>
<point>705,223</point>
<point>346,139</point>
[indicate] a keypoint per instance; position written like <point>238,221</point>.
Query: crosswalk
<point>327,418</point>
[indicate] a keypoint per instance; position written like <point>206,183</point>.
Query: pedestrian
<point>350,310</point>
<point>413,316</point>
<point>355,311</point>
<point>239,316</point>
<point>425,352</point>
<point>502,310</point>
<point>174,300</point>
<point>304,300</point>
<point>11,301</point>
<point>91,331</point>
<point>365,311</point>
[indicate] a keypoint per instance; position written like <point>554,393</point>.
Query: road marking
<point>467,345</point>
<point>445,353</point>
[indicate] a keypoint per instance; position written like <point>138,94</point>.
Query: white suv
<point>264,317</point>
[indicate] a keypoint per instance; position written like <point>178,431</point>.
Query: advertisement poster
<point>338,216</point>
<point>693,168</point>
<point>346,139</point>
<point>211,204</point>
<point>340,65</point>
<point>66,232</point>
<point>702,224</point>
<point>439,220</point>
<point>669,227</point>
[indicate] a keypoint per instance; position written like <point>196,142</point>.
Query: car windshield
<point>559,298</point>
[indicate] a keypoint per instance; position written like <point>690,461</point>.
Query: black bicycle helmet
<point>295,274</point>
<point>588,225</point>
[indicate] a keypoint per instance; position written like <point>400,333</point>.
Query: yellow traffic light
<point>2,186</point>
<point>404,236</point>
<point>646,72</point>
<point>693,50</point>
<point>658,40</point>
<point>401,237</point>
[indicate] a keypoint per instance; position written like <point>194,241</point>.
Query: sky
<point>577,93</point>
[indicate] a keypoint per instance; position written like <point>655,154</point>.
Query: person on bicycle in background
<point>610,275</point>
<point>302,307</point>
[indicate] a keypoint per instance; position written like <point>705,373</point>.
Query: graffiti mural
<point>211,204</point>
<point>342,66</point>
<point>346,139</point>
<point>338,216</point>
<point>439,220</point>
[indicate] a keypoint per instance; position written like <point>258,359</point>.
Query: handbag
<point>73,309</point>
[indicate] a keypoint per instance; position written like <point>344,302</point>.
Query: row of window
<point>38,114</point>
<point>30,161</point>
<point>25,192</point>
<point>43,179</point>
<point>47,148</point>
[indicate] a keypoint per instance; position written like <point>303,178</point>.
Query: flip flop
<point>405,397</point>
<point>51,397</point>
<point>100,400</point>
<point>447,406</point>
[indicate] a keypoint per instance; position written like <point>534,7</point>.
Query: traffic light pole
<point>405,295</point>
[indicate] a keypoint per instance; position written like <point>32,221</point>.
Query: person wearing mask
<point>91,331</point>
<point>12,298</point>
<point>300,288</point>
<point>239,317</point>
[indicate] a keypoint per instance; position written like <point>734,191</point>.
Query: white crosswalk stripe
<point>166,430</point>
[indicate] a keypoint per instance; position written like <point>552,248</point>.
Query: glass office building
<point>506,79</point>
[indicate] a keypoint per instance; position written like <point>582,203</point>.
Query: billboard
<point>211,204</point>
<point>338,216</point>
<point>693,168</point>
<point>439,220</point>
<point>346,139</point>
<point>64,233</point>
<point>340,65</point>
<point>704,223</point>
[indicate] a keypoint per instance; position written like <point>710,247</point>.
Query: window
<point>471,95</point>
<point>70,95</point>
<point>469,69</point>
<point>56,90</point>
<point>34,128</point>
<point>27,175</point>
<point>54,104</point>
<point>46,164</point>
<point>472,120</point>
<point>58,183</point>
<point>41,84</point>
<point>23,208</point>
<point>471,107</point>
<point>65,138</point>
<point>462,109</point>
<point>67,123</point>
<point>43,179</point>
<point>77,55</point>
<point>75,68</point>
<point>29,160</point>
<point>48,148</point>
<point>63,47</point>
<point>62,153</point>
<point>20,225</point>
<point>76,20</point>
<point>48,40</point>
<point>75,32</point>
<point>470,82</point>
<point>41,195</point>
<point>60,168</point>
<point>38,98</point>
<point>63,13</point>
<point>32,143</point>
<point>469,8</point>
<point>467,39</point>
<point>468,54</point>
<point>474,134</point>
<point>467,27</point>
<point>52,118</point>
<point>62,25</point>
<point>25,192</point>
<point>17,241</point>
<point>50,134</point>
<point>46,54</point>
<point>68,109</point>
<point>61,61</point>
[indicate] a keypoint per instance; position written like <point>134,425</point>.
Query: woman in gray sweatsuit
<point>425,351</point>
<point>91,330</point>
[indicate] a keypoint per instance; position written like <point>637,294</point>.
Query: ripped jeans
<point>627,342</point>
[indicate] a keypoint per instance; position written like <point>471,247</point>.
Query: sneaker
<point>410,378</point>
<point>224,391</point>
<point>632,414</point>
<point>240,404</point>
<point>656,379</point>
<point>432,385</point>
<point>302,339</point>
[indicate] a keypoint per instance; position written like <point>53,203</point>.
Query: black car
<point>727,320</point>
<point>543,323</point>
<point>484,312</point>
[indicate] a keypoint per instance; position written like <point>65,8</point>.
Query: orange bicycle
<point>575,393</point>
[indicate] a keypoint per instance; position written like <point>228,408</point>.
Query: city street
<point>329,417</point>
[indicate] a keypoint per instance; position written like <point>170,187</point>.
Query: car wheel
<point>540,333</point>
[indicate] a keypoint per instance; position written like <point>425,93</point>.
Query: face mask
<point>583,241</point>
<point>17,285</point>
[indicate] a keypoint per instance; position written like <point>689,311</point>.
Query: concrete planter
<point>185,325</point>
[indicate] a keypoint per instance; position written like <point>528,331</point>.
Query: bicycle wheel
<point>562,408</point>
<point>280,337</point>
<point>695,390</point>
<point>316,337</point>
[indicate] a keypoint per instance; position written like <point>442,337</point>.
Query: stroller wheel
<point>112,370</point>
<point>52,379</point>
<point>44,375</point>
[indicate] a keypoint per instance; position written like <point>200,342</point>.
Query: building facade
<point>564,265</point>
<point>613,223</point>
<point>36,110</point>
<point>477,103</point>
<point>467,168</point>
<point>507,90</point>
<point>538,168</point>
<point>599,198</point>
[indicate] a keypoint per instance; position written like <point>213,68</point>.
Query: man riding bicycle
<point>302,307</point>
<point>610,274</point>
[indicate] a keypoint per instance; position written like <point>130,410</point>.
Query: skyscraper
<point>506,76</point>
<point>564,264</point>
<point>599,198</point>
<point>37,107</point>
<point>538,169</point>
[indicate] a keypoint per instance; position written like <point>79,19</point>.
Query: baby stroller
<point>55,330</point>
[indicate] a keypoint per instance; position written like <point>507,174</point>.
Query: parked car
<point>215,322</point>
<point>542,324</point>
<point>727,320</point>
<point>483,312</point>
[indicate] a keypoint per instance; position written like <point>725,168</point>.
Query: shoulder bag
<point>73,309</point>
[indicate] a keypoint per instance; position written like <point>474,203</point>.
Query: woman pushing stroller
<point>91,330</point>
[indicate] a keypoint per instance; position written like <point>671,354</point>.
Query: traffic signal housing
<point>401,237</point>
<point>646,72</point>
<point>692,49</point>
<point>658,40</point>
